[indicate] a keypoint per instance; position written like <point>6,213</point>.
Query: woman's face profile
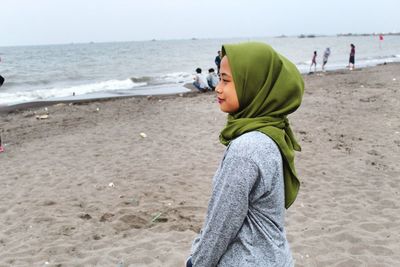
<point>226,92</point>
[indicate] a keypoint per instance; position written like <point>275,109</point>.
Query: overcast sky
<point>30,22</point>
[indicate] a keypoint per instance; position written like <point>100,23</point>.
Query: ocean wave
<point>303,63</point>
<point>170,78</point>
<point>377,57</point>
<point>12,83</point>
<point>144,79</point>
<point>44,89</point>
<point>42,94</point>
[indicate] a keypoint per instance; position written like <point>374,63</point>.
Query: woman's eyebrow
<point>226,75</point>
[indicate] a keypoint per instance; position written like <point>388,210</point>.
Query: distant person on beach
<point>314,62</point>
<point>218,61</point>
<point>1,78</point>
<point>1,146</point>
<point>212,79</point>
<point>352,57</point>
<point>256,180</point>
<point>327,53</point>
<point>200,82</point>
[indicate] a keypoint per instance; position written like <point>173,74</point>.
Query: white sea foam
<point>43,94</point>
<point>177,77</point>
<point>169,78</point>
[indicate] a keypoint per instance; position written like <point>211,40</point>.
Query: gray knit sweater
<point>244,225</point>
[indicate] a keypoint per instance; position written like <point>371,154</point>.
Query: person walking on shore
<point>256,180</point>
<point>352,57</point>
<point>314,62</point>
<point>327,53</point>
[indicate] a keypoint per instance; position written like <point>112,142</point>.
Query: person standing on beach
<point>352,57</point>
<point>314,62</point>
<point>1,78</point>
<point>1,146</point>
<point>256,180</point>
<point>327,53</point>
<point>218,61</point>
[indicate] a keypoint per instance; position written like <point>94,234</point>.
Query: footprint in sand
<point>373,152</point>
<point>371,227</point>
<point>130,221</point>
<point>106,217</point>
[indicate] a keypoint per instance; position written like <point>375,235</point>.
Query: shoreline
<point>85,99</point>
<point>47,103</point>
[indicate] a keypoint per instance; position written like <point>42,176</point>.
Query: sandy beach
<point>126,182</point>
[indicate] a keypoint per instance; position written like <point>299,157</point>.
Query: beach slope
<point>127,181</point>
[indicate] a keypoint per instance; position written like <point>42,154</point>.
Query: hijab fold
<point>269,87</point>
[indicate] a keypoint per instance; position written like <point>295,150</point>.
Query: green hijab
<point>268,87</point>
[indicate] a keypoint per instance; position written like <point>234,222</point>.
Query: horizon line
<point>302,35</point>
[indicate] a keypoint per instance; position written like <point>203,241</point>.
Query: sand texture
<point>126,182</point>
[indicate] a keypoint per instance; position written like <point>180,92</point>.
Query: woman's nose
<point>218,89</point>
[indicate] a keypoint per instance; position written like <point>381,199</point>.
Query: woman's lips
<point>220,100</point>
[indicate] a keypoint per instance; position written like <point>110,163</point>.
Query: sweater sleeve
<point>227,209</point>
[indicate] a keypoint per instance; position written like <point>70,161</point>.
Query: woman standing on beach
<point>256,179</point>
<point>352,57</point>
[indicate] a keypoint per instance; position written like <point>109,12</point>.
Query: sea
<point>155,67</point>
